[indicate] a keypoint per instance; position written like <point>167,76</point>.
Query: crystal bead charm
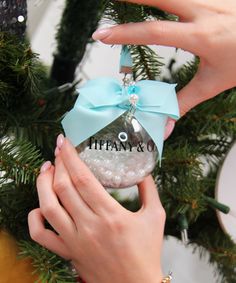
<point>134,99</point>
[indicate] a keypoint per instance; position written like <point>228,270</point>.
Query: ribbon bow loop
<point>100,92</point>
<point>101,101</point>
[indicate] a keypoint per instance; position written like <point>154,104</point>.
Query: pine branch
<point>42,129</point>
<point>19,84</point>
<point>221,248</point>
<point>19,161</point>
<point>50,267</point>
<point>158,14</point>
<point>16,202</point>
<point>121,12</point>
<point>183,75</point>
<point>146,63</point>
<point>81,17</point>
<point>179,181</point>
<point>26,110</point>
<point>79,20</point>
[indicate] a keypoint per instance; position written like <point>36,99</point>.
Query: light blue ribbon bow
<point>103,100</point>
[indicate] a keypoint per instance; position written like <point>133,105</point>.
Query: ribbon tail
<point>159,97</point>
<point>82,123</point>
<point>155,126</point>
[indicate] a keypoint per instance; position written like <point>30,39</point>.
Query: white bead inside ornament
<point>122,154</point>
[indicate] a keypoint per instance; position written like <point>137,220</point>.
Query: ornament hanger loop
<point>126,61</point>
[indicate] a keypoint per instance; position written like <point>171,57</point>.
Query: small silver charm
<point>133,99</point>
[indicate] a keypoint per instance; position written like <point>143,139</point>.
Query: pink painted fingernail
<point>169,128</point>
<point>60,140</point>
<point>101,34</point>
<point>45,166</point>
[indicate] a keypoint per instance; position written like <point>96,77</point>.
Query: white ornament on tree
<point>226,192</point>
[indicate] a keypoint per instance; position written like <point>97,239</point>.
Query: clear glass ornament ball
<point>120,155</point>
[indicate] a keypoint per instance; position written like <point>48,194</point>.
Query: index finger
<point>89,188</point>
<point>177,7</point>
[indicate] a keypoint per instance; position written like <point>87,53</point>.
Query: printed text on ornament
<point>109,145</point>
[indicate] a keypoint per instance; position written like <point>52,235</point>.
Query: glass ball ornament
<point>120,155</point>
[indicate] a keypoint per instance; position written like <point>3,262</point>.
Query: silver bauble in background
<point>121,154</point>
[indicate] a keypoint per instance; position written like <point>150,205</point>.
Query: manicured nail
<point>60,140</point>
<point>45,166</point>
<point>101,34</point>
<point>169,128</point>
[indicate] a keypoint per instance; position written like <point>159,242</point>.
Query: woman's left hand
<point>105,242</point>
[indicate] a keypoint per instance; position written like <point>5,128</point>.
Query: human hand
<point>105,242</point>
<point>206,29</point>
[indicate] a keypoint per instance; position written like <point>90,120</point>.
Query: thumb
<point>170,125</point>
<point>148,194</point>
<point>201,88</point>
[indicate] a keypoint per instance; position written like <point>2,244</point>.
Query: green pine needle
<point>146,63</point>
<point>50,267</point>
<point>19,161</point>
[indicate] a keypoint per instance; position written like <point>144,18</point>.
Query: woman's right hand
<point>207,28</point>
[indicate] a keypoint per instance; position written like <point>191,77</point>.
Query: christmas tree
<point>33,102</point>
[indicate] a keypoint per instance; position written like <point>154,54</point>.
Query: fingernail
<point>45,166</point>
<point>60,140</point>
<point>101,34</point>
<point>169,128</point>
<point>56,152</point>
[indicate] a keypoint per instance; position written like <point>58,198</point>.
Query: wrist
<point>156,277</point>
